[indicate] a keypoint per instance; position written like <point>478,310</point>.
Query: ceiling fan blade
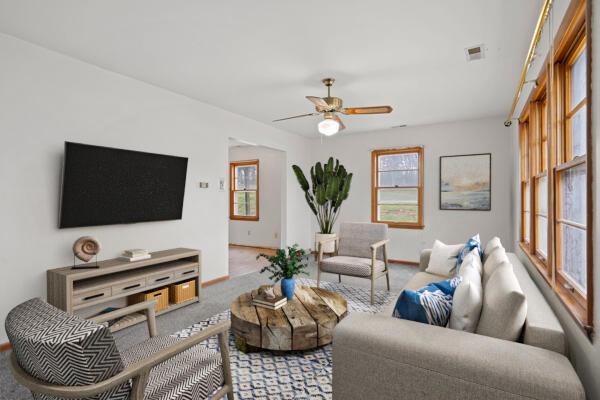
<point>367,110</point>
<point>339,120</point>
<point>317,101</point>
<point>297,116</point>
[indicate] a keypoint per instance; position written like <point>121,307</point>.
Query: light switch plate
<point>203,185</point>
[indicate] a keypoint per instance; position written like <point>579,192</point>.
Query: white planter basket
<point>328,247</point>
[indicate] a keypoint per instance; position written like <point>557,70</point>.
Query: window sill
<point>396,225</point>
<point>539,265</point>
<point>577,312</point>
<point>237,218</point>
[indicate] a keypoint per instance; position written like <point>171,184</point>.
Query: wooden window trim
<point>538,156</point>
<point>573,35</point>
<point>232,166</point>
<point>525,176</point>
<point>375,182</point>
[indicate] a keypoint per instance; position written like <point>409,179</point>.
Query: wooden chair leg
<point>224,348</point>
<point>372,290</point>
<point>340,278</point>
<point>318,275</point>
<point>387,278</point>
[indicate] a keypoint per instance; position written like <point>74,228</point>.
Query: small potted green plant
<point>284,267</point>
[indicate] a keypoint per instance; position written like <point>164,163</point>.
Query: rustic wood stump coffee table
<point>303,323</point>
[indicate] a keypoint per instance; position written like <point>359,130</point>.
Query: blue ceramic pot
<point>287,287</point>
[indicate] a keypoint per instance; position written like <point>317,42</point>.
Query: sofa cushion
<point>504,305</point>
<point>443,258</point>
<point>430,304</point>
<point>542,328</point>
<point>492,245</point>
<point>468,297</point>
<point>354,266</point>
<point>492,262</point>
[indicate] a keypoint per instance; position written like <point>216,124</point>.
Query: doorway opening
<point>257,176</point>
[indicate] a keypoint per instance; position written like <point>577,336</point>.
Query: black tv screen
<point>104,186</point>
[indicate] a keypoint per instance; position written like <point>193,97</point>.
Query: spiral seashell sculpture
<point>86,247</point>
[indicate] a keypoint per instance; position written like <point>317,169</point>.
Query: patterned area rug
<point>290,375</point>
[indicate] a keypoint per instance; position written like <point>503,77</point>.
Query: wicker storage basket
<point>182,292</point>
<point>161,295</point>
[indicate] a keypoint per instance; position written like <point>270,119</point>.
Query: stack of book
<point>272,304</point>
<point>135,255</point>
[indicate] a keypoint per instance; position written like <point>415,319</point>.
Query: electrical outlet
<point>276,235</point>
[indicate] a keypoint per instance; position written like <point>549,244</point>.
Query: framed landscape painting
<point>466,182</point>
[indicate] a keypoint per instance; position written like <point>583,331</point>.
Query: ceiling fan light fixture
<point>329,127</point>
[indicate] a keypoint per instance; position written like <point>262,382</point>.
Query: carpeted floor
<point>215,299</point>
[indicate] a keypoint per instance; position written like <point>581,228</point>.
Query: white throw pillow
<point>493,261</point>
<point>504,306</point>
<point>443,258</point>
<point>468,297</point>
<point>492,245</point>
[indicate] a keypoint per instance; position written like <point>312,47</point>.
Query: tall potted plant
<point>284,266</point>
<point>330,185</point>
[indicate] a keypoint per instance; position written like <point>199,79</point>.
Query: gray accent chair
<point>60,356</point>
<point>360,251</point>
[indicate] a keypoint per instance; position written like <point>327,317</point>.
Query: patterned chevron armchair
<point>60,356</point>
<point>360,251</point>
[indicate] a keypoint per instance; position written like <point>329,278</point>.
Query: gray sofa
<point>381,357</point>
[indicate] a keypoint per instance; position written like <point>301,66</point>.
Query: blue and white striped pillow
<point>473,243</point>
<point>431,304</point>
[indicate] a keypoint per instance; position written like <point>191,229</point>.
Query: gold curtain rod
<point>534,41</point>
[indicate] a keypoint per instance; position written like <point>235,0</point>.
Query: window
<point>539,151</point>
<point>571,177</point>
<point>555,186</point>
<point>243,190</point>
<point>397,187</point>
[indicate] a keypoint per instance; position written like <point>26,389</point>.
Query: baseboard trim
<point>253,247</point>
<point>215,281</point>
<point>5,347</point>
<point>403,262</point>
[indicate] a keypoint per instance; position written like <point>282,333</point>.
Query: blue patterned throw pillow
<point>472,243</point>
<point>431,304</point>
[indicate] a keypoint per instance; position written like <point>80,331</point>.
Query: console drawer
<point>128,286</point>
<point>185,272</point>
<point>92,295</point>
<point>159,279</point>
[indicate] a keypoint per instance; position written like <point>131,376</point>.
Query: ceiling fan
<point>331,106</point>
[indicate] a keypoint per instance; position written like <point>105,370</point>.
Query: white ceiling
<point>260,58</point>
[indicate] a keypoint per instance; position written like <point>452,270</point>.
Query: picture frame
<point>466,182</point>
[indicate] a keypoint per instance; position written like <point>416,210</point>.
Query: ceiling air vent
<point>475,52</point>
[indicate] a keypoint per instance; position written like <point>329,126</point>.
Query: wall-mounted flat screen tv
<point>104,186</point>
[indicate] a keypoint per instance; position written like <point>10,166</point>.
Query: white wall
<point>47,98</point>
<point>266,232</point>
<point>467,137</point>
<point>583,352</point>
